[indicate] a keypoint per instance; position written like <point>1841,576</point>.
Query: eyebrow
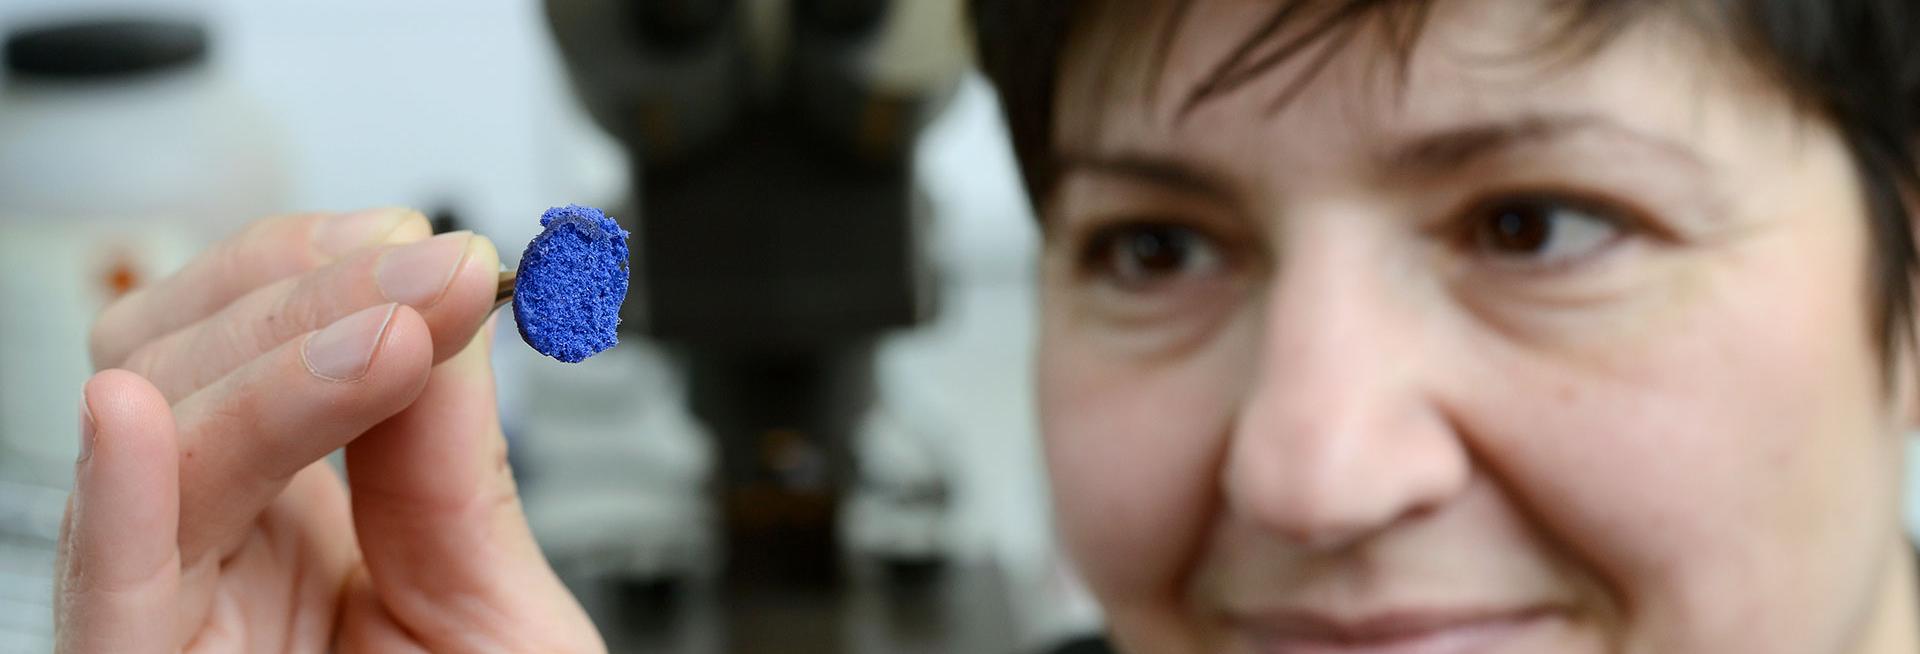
<point>1436,152</point>
<point>1458,146</point>
<point>1156,169</point>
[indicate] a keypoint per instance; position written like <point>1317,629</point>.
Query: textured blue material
<point>572,281</point>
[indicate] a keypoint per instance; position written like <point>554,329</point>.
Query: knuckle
<point>278,244</point>
<point>291,238</point>
<point>260,321</point>
<point>239,339</point>
<point>103,344</point>
<point>280,319</point>
<point>229,260</point>
<point>235,417</point>
<point>304,304</point>
<point>144,361</point>
<point>283,229</point>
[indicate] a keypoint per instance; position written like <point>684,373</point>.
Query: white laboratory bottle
<point>122,152</point>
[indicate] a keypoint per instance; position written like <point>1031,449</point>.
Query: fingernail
<point>340,235</point>
<point>416,275</point>
<point>86,430</point>
<point>344,350</point>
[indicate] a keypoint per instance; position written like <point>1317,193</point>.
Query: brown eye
<point>1540,230</point>
<point>1137,256</point>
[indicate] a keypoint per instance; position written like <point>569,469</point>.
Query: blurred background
<point>817,433</point>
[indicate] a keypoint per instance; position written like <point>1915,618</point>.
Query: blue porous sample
<point>571,283</point>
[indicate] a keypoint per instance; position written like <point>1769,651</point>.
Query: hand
<point>203,518</point>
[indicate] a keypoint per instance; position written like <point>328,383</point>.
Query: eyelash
<point>1094,256</point>
<point>1463,228</point>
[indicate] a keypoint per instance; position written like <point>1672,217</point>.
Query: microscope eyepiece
<point>679,25</point>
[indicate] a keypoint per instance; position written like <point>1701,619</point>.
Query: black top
<point>100,49</point>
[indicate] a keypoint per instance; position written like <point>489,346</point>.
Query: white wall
<point>423,102</point>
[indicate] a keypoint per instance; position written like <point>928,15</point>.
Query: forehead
<point>1149,76</point>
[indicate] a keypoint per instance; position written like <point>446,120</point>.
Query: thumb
<point>119,567</point>
<point>440,523</point>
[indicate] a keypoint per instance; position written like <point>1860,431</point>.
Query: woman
<point>1452,326</point>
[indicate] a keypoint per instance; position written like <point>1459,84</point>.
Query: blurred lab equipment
<point>122,152</point>
<point>778,236</point>
<point>776,233</point>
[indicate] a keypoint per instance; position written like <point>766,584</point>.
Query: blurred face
<point>1490,357</point>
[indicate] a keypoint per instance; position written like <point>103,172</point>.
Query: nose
<point>1339,437</point>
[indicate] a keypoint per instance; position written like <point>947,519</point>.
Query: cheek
<point>1724,471</point>
<point>1132,450</point>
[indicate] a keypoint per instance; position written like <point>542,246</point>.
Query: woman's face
<point>1485,357</point>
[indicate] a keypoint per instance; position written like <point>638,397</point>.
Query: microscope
<point>776,229</point>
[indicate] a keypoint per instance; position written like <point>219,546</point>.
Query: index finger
<point>264,252</point>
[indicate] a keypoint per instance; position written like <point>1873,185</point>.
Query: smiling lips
<point>1390,632</point>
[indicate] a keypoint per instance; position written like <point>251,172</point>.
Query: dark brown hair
<point>1855,63</point>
